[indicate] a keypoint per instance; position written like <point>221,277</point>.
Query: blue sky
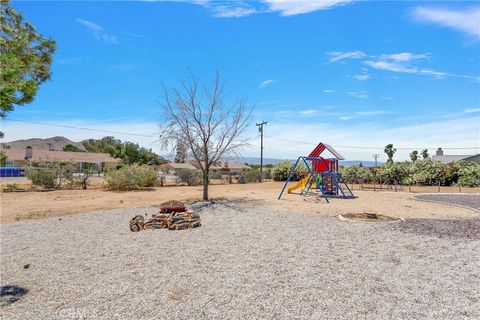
<point>349,73</point>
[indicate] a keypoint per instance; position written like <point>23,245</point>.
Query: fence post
<point>438,187</point>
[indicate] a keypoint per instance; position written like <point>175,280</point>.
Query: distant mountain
<point>53,143</point>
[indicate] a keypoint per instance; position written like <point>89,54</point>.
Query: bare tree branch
<point>199,120</point>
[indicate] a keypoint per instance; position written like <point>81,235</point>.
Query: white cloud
<point>404,56</point>
<point>358,94</point>
<point>466,21</point>
<point>294,7</point>
<point>337,56</point>
<point>474,110</point>
<point>266,83</point>
<point>308,112</point>
<point>390,66</point>
<point>362,77</point>
<point>404,62</point>
<point>387,98</point>
<point>328,90</point>
<point>223,11</point>
<point>98,32</point>
<point>371,113</point>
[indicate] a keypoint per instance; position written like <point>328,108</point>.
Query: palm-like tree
<point>414,155</point>
<point>425,154</point>
<point>390,151</point>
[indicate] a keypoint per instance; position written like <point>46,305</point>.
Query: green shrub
<point>267,174</point>
<point>52,174</point>
<point>252,175</point>
<point>356,174</point>
<point>394,173</point>
<point>241,179</point>
<point>281,171</point>
<point>189,176</point>
<point>468,174</point>
<point>45,178</point>
<point>131,177</point>
<point>428,172</point>
<point>215,175</point>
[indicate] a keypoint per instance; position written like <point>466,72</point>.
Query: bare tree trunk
<point>205,185</point>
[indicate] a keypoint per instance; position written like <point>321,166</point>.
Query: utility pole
<point>375,156</point>
<point>260,129</point>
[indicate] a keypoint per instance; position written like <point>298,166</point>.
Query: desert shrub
<point>428,172</point>
<point>267,174</point>
<point>215,175</point>
<point>189,176</point>
<point>451,173</point>
<point>281,171</point>
<point>252,175</point>
<point>468,174</point>
<point>241,179</point>
<point>131,177</point>
<point>60,172</point>
<point>45,178</point>
<point>394,173</point>
<point>356,174</point>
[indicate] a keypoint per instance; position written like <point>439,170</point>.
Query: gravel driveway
<point>471,201</point>
<point>246,261</point>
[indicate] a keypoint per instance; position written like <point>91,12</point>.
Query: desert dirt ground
<point>34,205</point>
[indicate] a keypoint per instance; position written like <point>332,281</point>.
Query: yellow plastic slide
<point>300,184</point>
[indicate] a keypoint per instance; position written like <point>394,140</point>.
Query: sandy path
<point>31,205</point>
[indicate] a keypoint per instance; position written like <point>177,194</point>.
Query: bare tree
<point>198,117</point>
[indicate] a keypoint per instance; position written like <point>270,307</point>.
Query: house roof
<point>174,165</point>
<point>235,166</point>
<point>450,158</point>
<point>45,155</point>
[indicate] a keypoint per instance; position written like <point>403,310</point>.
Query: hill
<point>53,143</point>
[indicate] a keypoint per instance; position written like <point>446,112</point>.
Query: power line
<point>371,148</point>
<point>80,128</point>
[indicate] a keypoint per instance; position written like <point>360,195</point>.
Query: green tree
<point>357,174</point>
<point>71,148</point>
<point>3,158</point>
<point>428,172</point>
<point>180,155</point>
<point>129,152</point>
<point>469,174</point>
<point>25,59</point>
<point>425,154</point>
<point>390,151</point>
<point>414,156</point>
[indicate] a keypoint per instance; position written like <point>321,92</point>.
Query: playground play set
<point>322,174</point>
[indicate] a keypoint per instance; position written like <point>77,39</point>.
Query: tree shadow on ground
<point>10,294</point>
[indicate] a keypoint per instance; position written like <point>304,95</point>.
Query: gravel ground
<point>246,261</point>
<point>465,200</point>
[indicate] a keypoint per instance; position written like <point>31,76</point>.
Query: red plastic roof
<point>321,147</point>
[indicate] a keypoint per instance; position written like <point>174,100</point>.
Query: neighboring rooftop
<point>448,158</point>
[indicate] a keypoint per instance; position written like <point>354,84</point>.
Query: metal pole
<point>260,129</point>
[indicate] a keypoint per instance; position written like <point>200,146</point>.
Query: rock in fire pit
<point>173,216</point>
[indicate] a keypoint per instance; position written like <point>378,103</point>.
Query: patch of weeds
<point>31,215</point>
